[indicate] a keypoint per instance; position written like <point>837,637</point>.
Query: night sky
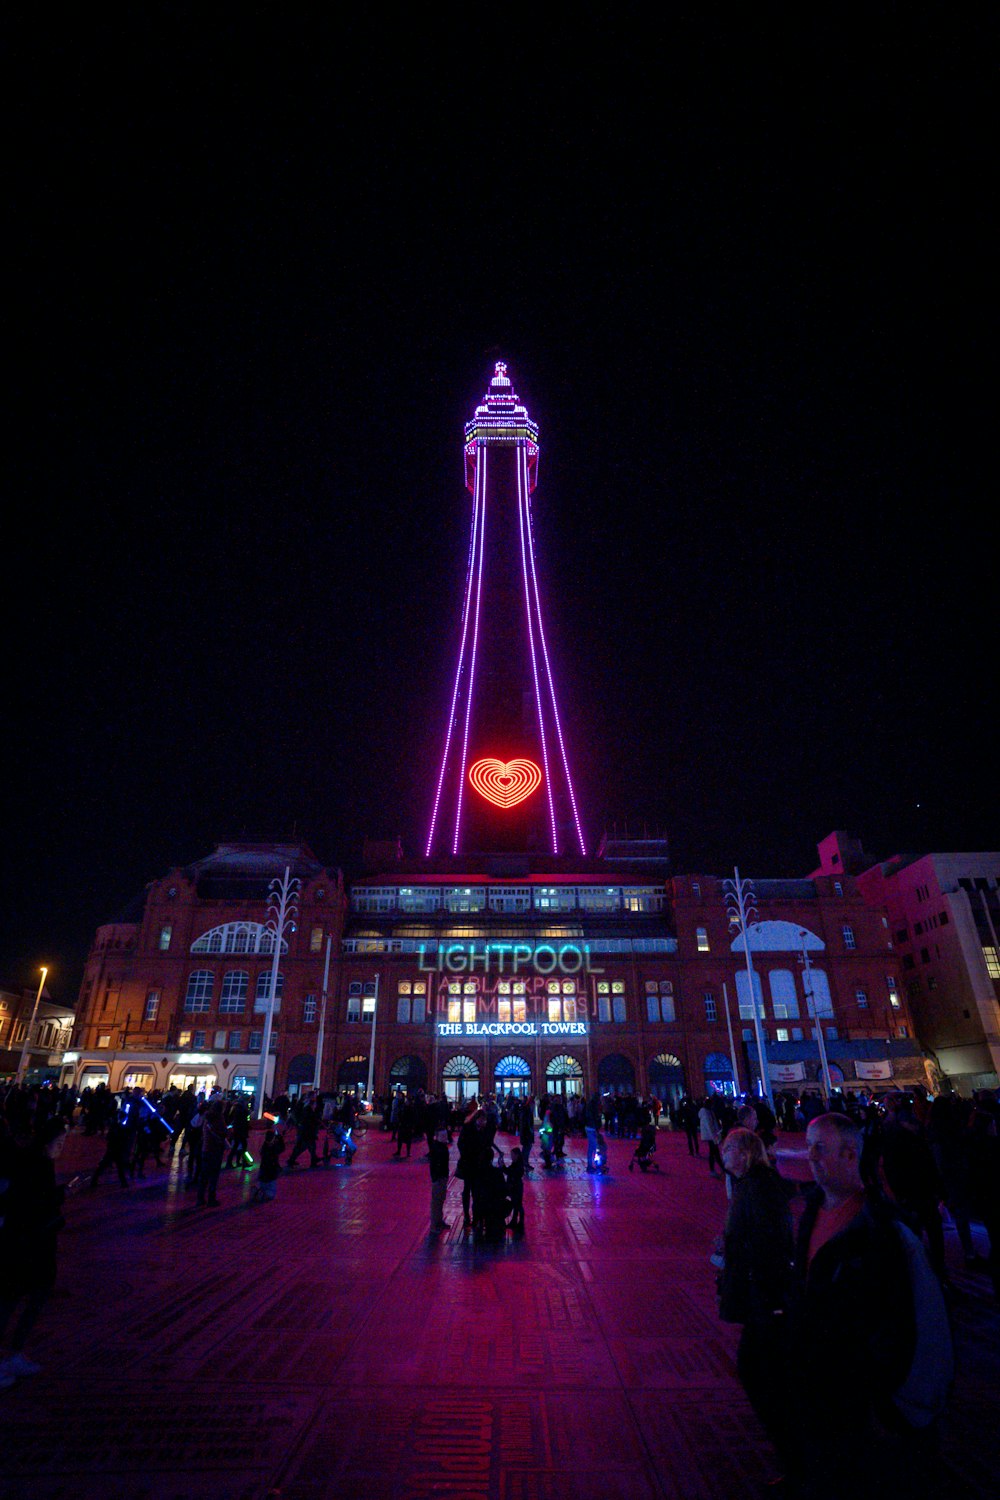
<point>742,266</point>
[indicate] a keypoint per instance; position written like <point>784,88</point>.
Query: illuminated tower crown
<point>504,780</point>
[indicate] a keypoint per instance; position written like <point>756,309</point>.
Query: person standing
<point>29,1231</point>
<point>755,1284</point>
<point>438,1163</point>
<point>710,1132</point>
<point>688,1113</point>
<point>526,1130</point>
<point>213,1146</point>
<point>270,1166</point>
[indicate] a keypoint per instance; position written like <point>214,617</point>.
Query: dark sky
<point>743,273</point>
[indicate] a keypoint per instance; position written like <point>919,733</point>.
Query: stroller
<point>645,1151</point>
<point>339,1144</point>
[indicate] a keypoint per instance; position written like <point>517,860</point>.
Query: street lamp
<point>22,1066</point>
<point>741,908</point>
<point>810,994</point>
<point>318,1069</point>
<point>371,1053</point>
<point>280,917</point>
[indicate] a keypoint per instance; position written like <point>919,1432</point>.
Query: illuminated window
<point>263,992</point>
<point>354,1000</point>
<point>152,1006</point>
<point>368,1000</point>
<point>992,962</point>
<point>784,1000</point>
<point>639,898</point>
<point>890,984</point>
<point>183,1039</point>
<point>465,898</point>
<point>781,1034</point>
<point>419,898</point>
<point>660,1000</point>
<point>701,934</point>
<point>555,898</point>
<point>166,933</point>
<point>610,1000</point>
<point>104,1040</point>
<point>235,984</point>
<point>599,898</point>
<point>198,996</point>
<point>743,994</point>
<point>420,1002</point>
<point>316,940</point>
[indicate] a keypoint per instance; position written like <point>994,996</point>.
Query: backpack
<point>921,1397</point>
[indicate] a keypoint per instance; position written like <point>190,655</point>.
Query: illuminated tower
<point>504,779</point>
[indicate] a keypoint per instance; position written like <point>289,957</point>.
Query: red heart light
<point>505,783</point>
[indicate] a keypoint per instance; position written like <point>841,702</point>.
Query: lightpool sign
<point>508,958</point>
<point>511,1028</point>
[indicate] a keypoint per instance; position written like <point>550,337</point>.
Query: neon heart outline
<point>487,777</point>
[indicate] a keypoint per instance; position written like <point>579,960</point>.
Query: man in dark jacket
<point>854,1328</point>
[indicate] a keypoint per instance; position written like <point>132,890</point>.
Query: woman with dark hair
<point>756,1278</point>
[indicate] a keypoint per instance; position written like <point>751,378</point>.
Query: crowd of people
<point>852,1265</point>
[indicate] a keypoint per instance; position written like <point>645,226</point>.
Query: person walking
<point>213,1146</point>
<point>270,1166</point>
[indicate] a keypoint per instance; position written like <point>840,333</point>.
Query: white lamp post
<point>281,914</point>
<point>371,1054</point>
<point>22,1066</point>
<point>732,1044</point>
<point>322,1019</point>
<point>810,994</point>
<point>741,908</point>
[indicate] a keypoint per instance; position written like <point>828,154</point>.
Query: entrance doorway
<point>564,1076</point>
<point>666,1079</point>
<point>461,1079</point>
<point>512,1075</point>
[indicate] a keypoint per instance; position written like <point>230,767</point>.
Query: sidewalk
<point>325,1346</point>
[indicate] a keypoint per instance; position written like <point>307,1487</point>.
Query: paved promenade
<point>325,1347</point>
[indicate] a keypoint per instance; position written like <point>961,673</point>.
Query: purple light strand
<point>521,508</point>
<point>548,669</point>
<point>475,644</point>
<point>458,673</point>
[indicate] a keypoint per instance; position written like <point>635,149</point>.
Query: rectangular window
<point>618,1000</point>
<point>797,1033</point>
<point>781,1034</point>
<point>183,1039</point>
<point>831,1033</point>
<point>643,897</point>
<point>711,1010</point>
<point>236,1041</point>
<point>256,1041</point>
<point>354,1001</point>
<point>861,999</point>
<point>220,1041</point>
<point>696,890</point>
<point>234,992</point>
<point>701,933</point>
<point>653,1008</point>
<point>465,898</point>
<point>599,898</point>
<point>316,940</point>
<point>847,932</point>
<point>420,1002</point>
<point>104,1040</point>
<point>838,888</point>
<point>309,1010</point>
<point>152,1006</point>
<point>419,898</point>
<point>166,932</point>
<point>992,962</point>
<point>510,898</point>
<point>198,1041</point>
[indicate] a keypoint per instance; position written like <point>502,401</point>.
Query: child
<point>515,1189</point>
<point>270,1167</point>
<point>437,1161</point>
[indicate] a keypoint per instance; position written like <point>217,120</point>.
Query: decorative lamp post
<point>281,913</point>
<point>322,1019</point>
<point>371,1052</point>
<point>732,1044</point>
<point>22,1066</point>
<point>811,1011</point>
<point>741,908</point>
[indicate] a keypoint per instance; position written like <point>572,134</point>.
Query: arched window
<point>564,1066</point>
<point>743,994</point>
<point>822,1000</point>
<point>461,1078</point>
<point>198,996</point>
<point>512,1066</point>
<point>718,1065</point>
<point>302,1070</point>
<point>666,1077</point>
<point>263,992</point>
<point>408,1073</point>
<point>616,1073</point>
<point>237,937</point>
<point>461,1067</point>
<point>784,1000</point>
<point>353,1073</point>
<point>235,984</point>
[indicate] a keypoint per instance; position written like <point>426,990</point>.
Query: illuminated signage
<point>71,1057</point>
<point>511,1028</point>
<point>194,1057</point>
<point>505,783</point>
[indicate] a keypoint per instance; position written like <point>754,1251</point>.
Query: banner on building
<point>871,1071</point>
<point>787,1072</point>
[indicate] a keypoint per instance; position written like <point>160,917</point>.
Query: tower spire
<point>504,779</point>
